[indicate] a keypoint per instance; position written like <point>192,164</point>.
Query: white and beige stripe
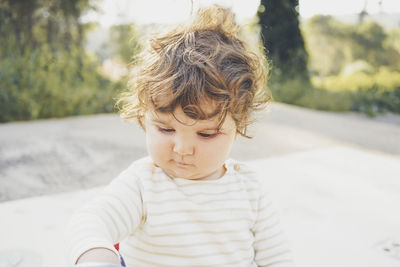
<point>163,221</point>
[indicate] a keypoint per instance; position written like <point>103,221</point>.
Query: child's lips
<point>180,163</point>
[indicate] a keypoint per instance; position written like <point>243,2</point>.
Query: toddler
<point>187,203</point>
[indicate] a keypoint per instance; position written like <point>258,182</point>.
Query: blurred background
<point>65,58</point>
<point>327,148</point>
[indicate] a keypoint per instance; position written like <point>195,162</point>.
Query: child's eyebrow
<point>205,128</point>
<point>159,121</point>
<point>211,129</point>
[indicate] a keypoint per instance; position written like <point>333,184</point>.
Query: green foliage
<point>320,99</point>
<point>287,90</point>
<point>373,101</point>
<point>353,67</point>
<point>44,70</point>
<point>370,35</point>
<point>332,45</point>
<point>384,80</point>
<point>124,42</point>
<point>40,85</point>
<point>369,93</point>
<point>393,39</point>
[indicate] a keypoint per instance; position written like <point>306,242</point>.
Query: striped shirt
<point>164,221</point>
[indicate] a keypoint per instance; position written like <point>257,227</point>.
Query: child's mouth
<point>182,163</point>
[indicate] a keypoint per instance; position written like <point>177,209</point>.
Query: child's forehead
<point>178,116</point>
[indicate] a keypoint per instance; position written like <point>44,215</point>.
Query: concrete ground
<point>334,177</point>
<point>54,156</point>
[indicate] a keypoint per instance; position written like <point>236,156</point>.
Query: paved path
<point>334,177</point>
<point>338,205</point>
<point>53,156</point>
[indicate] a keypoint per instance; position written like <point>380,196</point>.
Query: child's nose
<point>183,146</point>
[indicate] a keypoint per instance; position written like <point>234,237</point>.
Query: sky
<point>172,11</point>
<point>309,8</point>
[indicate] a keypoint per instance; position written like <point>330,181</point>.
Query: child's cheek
<point>156,146</point>
<point>213,148</point>
<point>156,138</point>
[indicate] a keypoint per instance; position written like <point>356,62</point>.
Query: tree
<point>279,21</point>
<point>44,68</point>
<point>124,42</point>
<point>333,45</point>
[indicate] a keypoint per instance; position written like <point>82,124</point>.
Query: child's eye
<point>165,130</point>
<point>207,135</point>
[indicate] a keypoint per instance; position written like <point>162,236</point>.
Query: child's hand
<point>96,264</point>
<point>99,257</point>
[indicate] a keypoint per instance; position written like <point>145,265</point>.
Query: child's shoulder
<point>143,164</point>
<point>247,178</point>
<point>139,168</point>
<point>243,170</point>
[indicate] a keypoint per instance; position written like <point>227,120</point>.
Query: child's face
<point>188,148</point>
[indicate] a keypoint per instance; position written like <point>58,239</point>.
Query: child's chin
<point>183,175</point>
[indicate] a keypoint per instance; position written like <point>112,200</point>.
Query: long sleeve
<point>271,248</point>
<point>106,220</point>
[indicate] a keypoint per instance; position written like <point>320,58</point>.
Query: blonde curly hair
<point>201,64</point>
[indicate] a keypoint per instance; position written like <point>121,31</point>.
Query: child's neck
<point>214,176</point>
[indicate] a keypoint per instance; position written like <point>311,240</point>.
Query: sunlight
<point>173,11</point>
<point>308,8</point>
<point>162,12</point>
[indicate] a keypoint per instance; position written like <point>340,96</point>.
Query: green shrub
<point>383,80</point>
<point>325,100</point>
<point>368,93</point>
<point>373,101</point>
<point>41,84</point>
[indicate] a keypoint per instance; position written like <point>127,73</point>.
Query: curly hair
<point>198,65</point>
